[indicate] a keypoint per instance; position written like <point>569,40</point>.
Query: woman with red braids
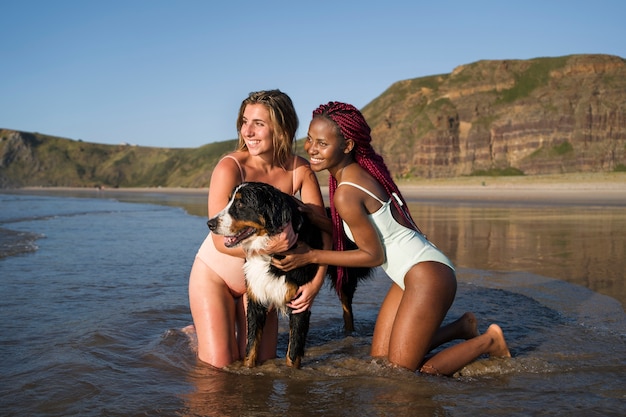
<point>368,208</point>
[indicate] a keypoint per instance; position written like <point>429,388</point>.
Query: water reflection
<point>274,391</point>
<point>580,245</point>
<point>584,245</point>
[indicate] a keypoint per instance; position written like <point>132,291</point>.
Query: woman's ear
<point>349,146</point>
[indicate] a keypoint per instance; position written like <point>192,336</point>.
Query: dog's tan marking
<point>348,319</point>
<point>292,290</point>
<point>238,225</point>
<point>250,359</point>
<point>290,363</point>
<point>252,297</point>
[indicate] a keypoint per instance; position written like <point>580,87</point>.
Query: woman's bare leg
<point>429,293</point>
<point>452,359</point>
<point>384,322</point>
<point>213,311</point>
<point>465,327</point>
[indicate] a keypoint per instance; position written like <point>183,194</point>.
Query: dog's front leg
<point>298,330</point>
<point>257,313</point>
<point>348,316</point>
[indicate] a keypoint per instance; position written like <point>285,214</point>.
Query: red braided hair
<point>350,124</point>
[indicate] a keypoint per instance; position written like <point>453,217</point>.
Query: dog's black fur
<point>255,212</point>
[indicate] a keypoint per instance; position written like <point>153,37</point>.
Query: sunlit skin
<point>408,324</point>
<point>218,302</point>
<point>257,131</point>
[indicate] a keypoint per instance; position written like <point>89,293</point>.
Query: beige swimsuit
<point>229,268</point>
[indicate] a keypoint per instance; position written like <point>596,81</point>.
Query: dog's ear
<point>297,219</point>
<point>273,203</point>
<point>287,211</point>
<point>295,215</point>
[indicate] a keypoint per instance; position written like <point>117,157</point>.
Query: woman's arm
<point>370,252</point>
<point>311,195</point>
<point>314,203</point>
<point>224,178</point>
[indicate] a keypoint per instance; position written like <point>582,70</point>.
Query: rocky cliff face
<point>540,116</point>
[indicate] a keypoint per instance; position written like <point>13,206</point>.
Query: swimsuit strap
<point>400,203</point>
<point>365,190</point>
<point>293,179</point>
<point>243,179</point>
<point>238,164</point>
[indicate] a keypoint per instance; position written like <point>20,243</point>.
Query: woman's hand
<point>305,296</point>
<point>283,241</point>
<point>293,258</point>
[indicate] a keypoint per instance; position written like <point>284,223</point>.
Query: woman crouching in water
<point>368,208</point>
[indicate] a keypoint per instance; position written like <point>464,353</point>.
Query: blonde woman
<point>267,124</point>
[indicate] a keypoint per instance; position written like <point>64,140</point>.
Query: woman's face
<point>256,129</point>
<point>325,148</point>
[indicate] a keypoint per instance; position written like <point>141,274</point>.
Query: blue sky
<point>173,73</point>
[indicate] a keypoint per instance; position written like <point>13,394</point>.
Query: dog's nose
<point>212,223</point>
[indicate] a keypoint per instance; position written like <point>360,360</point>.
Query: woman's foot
<point>465,327</point>
<point>469,325</point>
<point>498,346</point>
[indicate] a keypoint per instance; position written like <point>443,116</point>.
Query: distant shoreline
<point>598,189</point>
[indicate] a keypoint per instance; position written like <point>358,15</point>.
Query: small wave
<point>14,242</point>
<point>503,366</point>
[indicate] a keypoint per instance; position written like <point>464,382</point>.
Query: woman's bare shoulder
<point>232,160</point>
<point>229,166</point>
<point>240,156</point>
<point>347,194</point>
<point>300,163</point>
<point>302,169</point>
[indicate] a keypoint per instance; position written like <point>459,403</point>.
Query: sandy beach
<point>586,189</point>
<point>599,189</point>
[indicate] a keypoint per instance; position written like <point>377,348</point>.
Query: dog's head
<point>254,212</point>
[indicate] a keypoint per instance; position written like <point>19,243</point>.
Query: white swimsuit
<point>404,247</point>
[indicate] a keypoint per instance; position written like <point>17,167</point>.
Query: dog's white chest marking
<point>269,289</point>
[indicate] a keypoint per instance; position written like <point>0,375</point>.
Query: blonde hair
<point>283,119</point>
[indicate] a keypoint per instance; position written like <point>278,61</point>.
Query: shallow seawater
<point>95,295</point>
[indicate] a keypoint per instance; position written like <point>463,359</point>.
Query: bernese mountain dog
<point>257,211</point>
